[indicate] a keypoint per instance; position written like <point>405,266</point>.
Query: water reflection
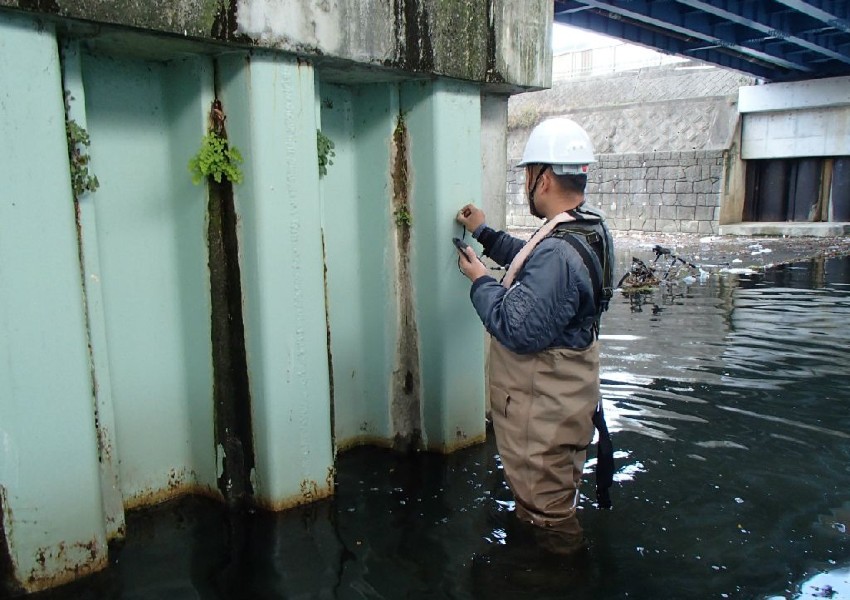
<point>732,397</point>
<point>728,403</point>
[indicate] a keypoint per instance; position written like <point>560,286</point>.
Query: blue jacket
<point>550,303</point>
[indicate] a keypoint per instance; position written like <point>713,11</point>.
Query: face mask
<point>530,193</point>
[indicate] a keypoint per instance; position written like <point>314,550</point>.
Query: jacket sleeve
<point>527,317</point>
<point>498,245</point>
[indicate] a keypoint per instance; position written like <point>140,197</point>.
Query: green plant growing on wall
<point>403,218</point>
<point>81,179</point>
<point>216,157</point>
<point>326,152</point>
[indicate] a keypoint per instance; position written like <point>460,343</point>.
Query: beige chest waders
<point>542,407</point>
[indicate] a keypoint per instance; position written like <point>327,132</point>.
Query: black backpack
<point>590,231</point>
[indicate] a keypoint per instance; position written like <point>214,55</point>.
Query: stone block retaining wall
<point>660,135</point>
<point>651,191</point>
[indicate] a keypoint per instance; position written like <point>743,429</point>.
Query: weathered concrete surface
<point>661,138</point>
<point>666,109</point>
<point>820,230</point>
<point>505,45</point>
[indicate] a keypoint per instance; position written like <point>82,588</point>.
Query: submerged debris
<point>670,272</point>
<point>639,278</point>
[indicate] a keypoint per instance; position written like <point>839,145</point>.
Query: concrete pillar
<point>270,103</point>
<point>494,157</point>
<point>443,120</point>
<point>49,479</point>
<point>733,190</point>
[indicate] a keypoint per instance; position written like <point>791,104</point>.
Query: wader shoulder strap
<point>604,445</point>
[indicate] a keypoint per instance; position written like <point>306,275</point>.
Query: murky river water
<point>729,402</point>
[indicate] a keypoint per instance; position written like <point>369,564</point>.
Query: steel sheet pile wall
<point>49,481</point>
<point>360,257</point>
<point>145,119</point>
<point>355,325</point>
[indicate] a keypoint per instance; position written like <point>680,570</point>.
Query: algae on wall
<point>460,38</point>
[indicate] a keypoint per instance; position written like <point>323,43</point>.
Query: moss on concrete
<point>460,34</point>
<point>185,17</point>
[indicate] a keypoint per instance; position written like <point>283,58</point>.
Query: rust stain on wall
<point>63,563</point>
<point>363,440</point>
<point>310,491</point>
<point>405,411</point>
<point>330,478</point>
<point>461,441</point>
<point>9,585</point>
<point>180,483</point>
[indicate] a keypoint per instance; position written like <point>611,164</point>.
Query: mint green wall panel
<point>146,120</point>
<point>444,123</point>
<point>360,258</point>
<point>49,481</point>
<point>270,103</point>
<point>110,485</point>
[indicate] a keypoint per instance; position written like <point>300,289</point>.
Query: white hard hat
<point>562,143</point>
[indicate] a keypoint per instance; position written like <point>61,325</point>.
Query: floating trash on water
<point>740,270</point>
<point>826,591</point>
<point>721,444</point>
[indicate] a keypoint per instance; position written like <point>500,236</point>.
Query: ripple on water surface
<point>730,410</point>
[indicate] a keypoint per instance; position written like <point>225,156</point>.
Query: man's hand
<point>470,265</point>
<point>471,217</point>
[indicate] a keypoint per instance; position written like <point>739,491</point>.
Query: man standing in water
<point>544,321</point>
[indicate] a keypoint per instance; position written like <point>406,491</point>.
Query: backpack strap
<point>600,240</point>
<point>591,262</point>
